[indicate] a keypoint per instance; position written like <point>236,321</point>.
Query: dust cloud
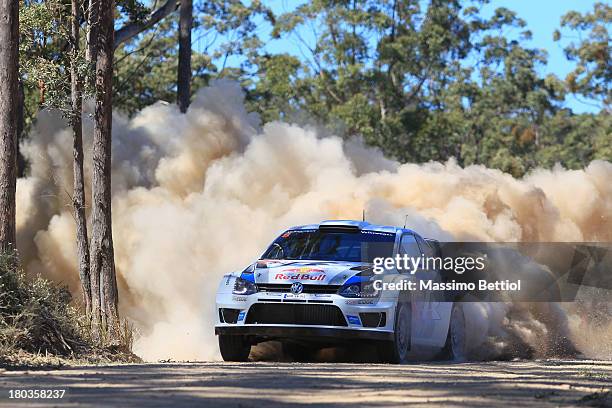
<point>198,195</point>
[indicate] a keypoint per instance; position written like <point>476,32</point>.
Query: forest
<point>422,81</point>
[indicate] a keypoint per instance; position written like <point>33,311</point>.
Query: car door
<point>430,315</point>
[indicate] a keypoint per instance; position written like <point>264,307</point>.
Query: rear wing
<point>435,245</point>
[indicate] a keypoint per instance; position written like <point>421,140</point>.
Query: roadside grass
<point>40,326</point>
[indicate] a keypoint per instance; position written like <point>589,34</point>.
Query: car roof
<point>362,225</point>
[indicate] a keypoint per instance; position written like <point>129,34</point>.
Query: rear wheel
<point>234,348</point>
<point>396,351</point>
<point>456,342</point>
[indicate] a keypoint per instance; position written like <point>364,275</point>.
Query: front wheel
<point>234,348</point>
<point>396,351</point>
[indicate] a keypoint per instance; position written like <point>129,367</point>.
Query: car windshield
<point>331,245</point>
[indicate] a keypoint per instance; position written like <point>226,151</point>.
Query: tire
<point>396,351</point>
<point>298,353</point>
<point>234,348</point>
<point>456,348</point>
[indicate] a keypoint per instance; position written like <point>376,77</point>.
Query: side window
<point>425,247</point>
<point>409,246</point>
<point>435,247</point>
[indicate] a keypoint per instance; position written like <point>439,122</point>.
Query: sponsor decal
<point>293,296</point>
<point>241,316</point>
<point>299,276</point>
<point>303,269</point>
<point>360,302</point>
<point>301,273</point>
<point>384,234</point>
<point>239,298</point>
<point>353,320</point>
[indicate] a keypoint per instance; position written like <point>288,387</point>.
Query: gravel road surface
<point>265,384</point>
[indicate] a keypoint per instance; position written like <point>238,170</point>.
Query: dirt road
<point>510,384</point>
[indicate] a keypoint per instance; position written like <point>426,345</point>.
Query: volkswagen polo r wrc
<point>315,286</point>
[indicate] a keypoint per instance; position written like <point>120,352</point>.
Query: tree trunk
<point>78,195</point>
<point>102,254</point>
<point>184,62</point>
<point>93,11</point>
<point>92,30</point>
<point>9,85</point>
<point>21,162</point>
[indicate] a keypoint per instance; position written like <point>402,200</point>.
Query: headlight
<point>244,287</point>
<point>356,290</point>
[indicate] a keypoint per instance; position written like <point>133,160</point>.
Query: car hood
<point>310,272</point>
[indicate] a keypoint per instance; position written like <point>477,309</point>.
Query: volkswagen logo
<point>297,288</point>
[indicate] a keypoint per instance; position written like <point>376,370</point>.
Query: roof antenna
<point>405,220</point>
<point>363,215</point>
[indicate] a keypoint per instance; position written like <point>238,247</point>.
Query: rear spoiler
<point>435,245</point>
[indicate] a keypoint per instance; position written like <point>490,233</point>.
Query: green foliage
<point>275,88</point>
<point>146,67</point>
<point>575,140</point>
<point>434,80</point>
<point>593,72</point>
<point>422,80</point>
<point>45,55</point>
<point>42,62</point>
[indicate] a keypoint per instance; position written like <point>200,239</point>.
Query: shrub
<point>37,317</point>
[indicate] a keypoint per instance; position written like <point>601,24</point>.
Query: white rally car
<point>315,287</point>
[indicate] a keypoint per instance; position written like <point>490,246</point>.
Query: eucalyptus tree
<point>9,79</point>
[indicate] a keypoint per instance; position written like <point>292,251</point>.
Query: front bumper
<point>304,333</point>
<point>306,316</point>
